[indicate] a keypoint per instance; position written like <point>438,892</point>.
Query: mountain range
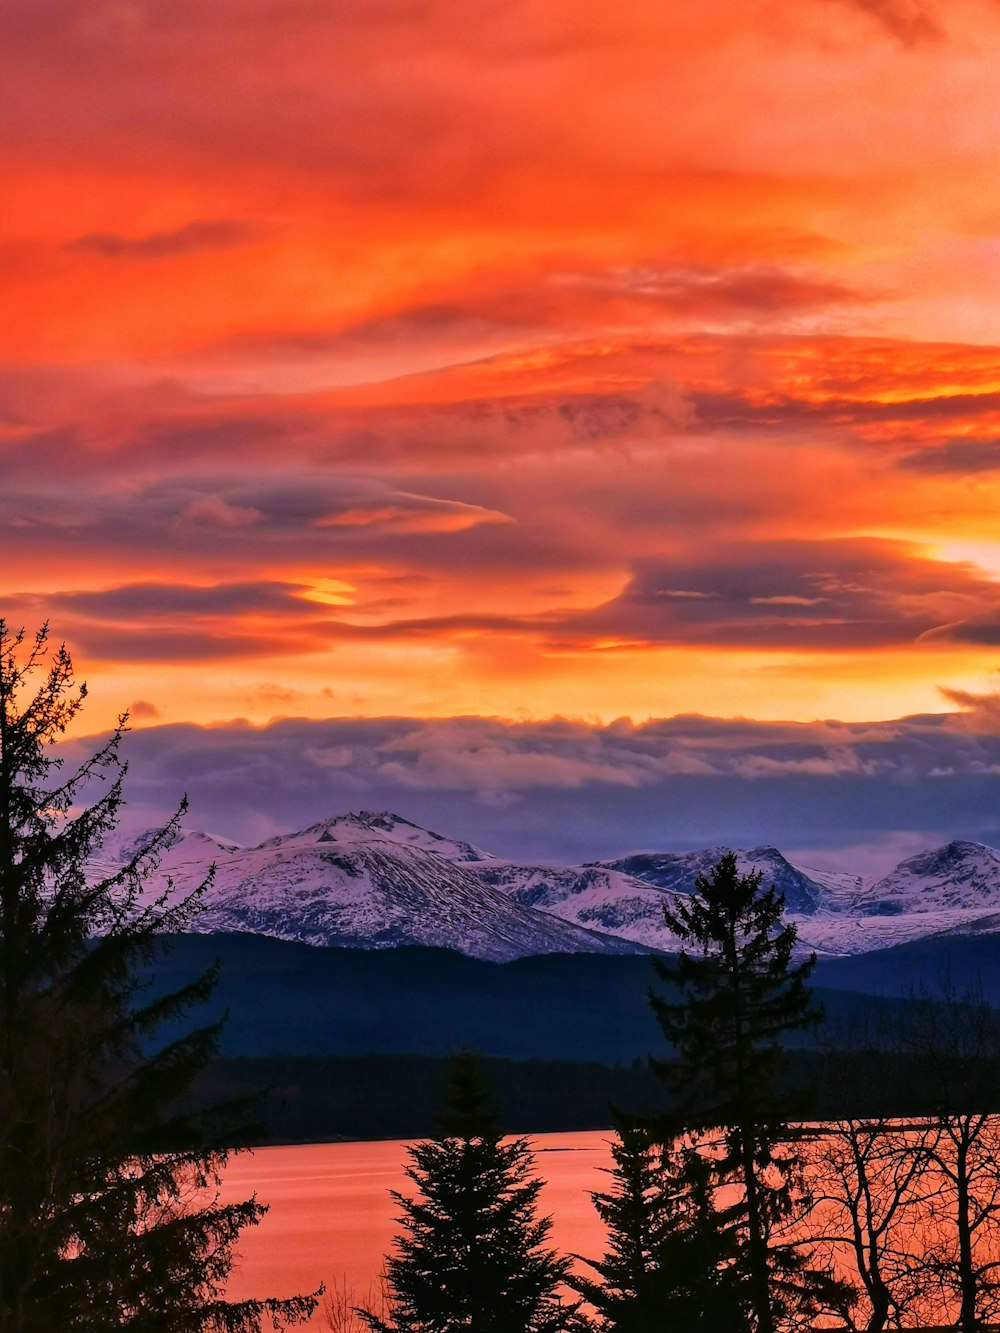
<point>374,880</point>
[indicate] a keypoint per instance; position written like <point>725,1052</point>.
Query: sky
<point>393,368</point>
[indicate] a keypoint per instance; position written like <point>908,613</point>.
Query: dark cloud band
<point>569,790</point>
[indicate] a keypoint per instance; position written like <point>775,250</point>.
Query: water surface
<point>331,1217</point>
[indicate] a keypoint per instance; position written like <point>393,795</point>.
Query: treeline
<point>316,1099</point>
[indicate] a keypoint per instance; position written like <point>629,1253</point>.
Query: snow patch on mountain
<point>593,896</point>
<point>961,875</point>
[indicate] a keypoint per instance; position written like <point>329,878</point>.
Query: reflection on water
<point>331,1217</point>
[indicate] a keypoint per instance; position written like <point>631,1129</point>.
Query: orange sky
<point>434,358</point>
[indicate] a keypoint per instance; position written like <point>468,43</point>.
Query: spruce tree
<point>109,1215</point>
<point>739,995</point>
<point>670,1259</point>
<point>472,1253</point>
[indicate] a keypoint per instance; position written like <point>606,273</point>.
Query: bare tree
<point>341,1304</point>
<point>869,1185</point>
<point>912,1204</point>
<point>957,1043</point>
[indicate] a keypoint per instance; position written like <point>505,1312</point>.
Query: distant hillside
<point>287,999</point>
<point>954,962</point>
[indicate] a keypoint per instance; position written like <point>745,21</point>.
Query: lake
<point>331,1218</point>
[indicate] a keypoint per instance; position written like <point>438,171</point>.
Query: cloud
<point>193,238</point>
<point>488,310</point>
<point>217,512</point>
<point>704,291</point>
<point>309,513</point>
<point>184,623</point>
<point>143,710</point>
<point>746,410</point>
<point>912,22</point>
<point>478,756</point>
<point>570,790</point>
<point>138,601</point>
<point>821,595</point>
<point>965,457</point>
<point>411,513</point>
<point>982,631</point>
<point>187,646</point>
<point>978,711</point>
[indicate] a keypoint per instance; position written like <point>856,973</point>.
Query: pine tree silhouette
<point>108,1216</point>
<point>670,1261</point>
<point>740,994</point>
<point>472,1253</point>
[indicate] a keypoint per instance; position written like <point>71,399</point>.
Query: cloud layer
<point>376,357</point>
<point>856,795</point>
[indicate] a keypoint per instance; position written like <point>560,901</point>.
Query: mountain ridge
<point>373,879</point>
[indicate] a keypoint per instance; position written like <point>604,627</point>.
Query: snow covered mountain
<point>678,872</point>
<point>375,880</point>
<point>963,875</point>
<point>366,881</point>
<point>364,827</point>
<point>595,897</point>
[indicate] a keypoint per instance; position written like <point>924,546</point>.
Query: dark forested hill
<point>350,1042</point>
<point>286,999</point>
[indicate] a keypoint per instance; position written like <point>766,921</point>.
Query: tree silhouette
<point>671,1259</point>
<point>739,995</point>
<point>472,1252</point>
<point>109,1219</point>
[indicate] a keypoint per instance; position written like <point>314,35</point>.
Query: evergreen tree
<point>739,996</point>
<point>670,1262</point>
<point>472,1254</point>
<point>109,1219</point>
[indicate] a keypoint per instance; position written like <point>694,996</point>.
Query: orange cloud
<point>567,339</point>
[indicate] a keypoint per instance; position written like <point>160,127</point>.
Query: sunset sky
<point>498,360</point>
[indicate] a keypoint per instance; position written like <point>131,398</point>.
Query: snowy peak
<point>193,844</point>
<point>185,845</point>
<point>367,827</point>
<point>959,875</point>
<point>354,882</point>
<point>678,872</point>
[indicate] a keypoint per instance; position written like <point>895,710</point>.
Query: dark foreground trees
<point>671,1258</point>
<point>109,1218</point>
<point>735,995</point>
<point>472,1252</point>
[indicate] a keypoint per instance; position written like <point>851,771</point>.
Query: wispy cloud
<point>192,238</point>
<point>963,457</point>
<point>910,21</point>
